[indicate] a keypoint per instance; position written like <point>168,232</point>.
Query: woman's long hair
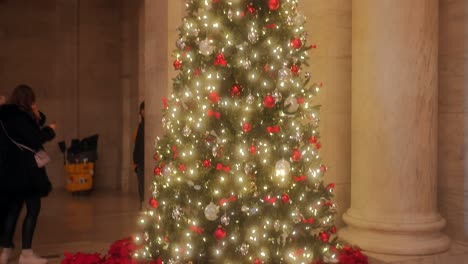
<point>24,97</point>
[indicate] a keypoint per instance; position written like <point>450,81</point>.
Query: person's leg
<point>141,184</point>
<point>10,218</point>
<point>33,206</point>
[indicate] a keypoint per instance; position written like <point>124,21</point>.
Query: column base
<point>395,238</point>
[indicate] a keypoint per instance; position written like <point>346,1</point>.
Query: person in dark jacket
<point>139,154</point>
<point>22,181</point>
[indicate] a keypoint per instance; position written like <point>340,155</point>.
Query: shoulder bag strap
<point>20,146</point>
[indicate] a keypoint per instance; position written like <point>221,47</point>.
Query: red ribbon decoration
<point>215,114</point>
<point>273,129</point>
<point>224,201</point>
<point>174,149</point>
<point>299,178</point>
<point>220,166</point>
<point>220,60</point>
<point>196,229</point>
<point>310,220</point>
<point>269,199</point>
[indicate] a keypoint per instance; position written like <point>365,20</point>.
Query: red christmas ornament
<point>269,101</point>
<point>331,186</point>
<point>313,140</point>
<point>159,261</point>
<point>236,90</point>
<point>177,64</point>
<point>219,166</point>
<point>300,100</point>
<point>196,72</point>
<point>296,43</point>
<point>214,97</point>
<point>333,230</point>
<point>251,9</point>
<point>285,198</point>
<point>207,163</point>
<point>157,171</point>
<point>273,4</point>
<point>323,168</point>
<point>318,145</point>
<point>247,127</point>
<point>253,150</point>
<point>271,26</point>
<point>324,236</point>
<point>165,102</point>
<point>257,261</point>
<point>182,168</point>
<point>295,69</point>
<point>220,233</point>
<point>153,203</point>
<point>265,68</point>
<point>296,156</point>
<point>220,60</point>
<point>156,157</point>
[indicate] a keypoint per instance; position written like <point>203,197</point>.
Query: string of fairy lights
<point>238,176</point>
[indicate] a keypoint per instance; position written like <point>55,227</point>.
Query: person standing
<point>23,182</point>
<point>139,154</point>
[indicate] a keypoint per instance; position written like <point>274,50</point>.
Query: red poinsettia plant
<point>121,252</point>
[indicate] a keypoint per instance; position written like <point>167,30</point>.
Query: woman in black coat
<point>22,181</point>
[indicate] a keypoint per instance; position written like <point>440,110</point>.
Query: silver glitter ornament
<point>206,48</point>
<point>244,209</point>
<point>284,74</point>
<point>246,64</point>
<point>214,151</point>
<point>244,249</point>
<point>299,19</point>
<point>168,169</point>
<point>211,212</point>
<point>177,213</point>
<point>252,36</point>
<point>250,168</point>
<point>253,210</point>
<point>277,95</point>
<point>180,43</point>
<point>186,131</point>
<point>307,75</point>
<point>282,170</point>
<point>250,99</point>
<point>277,225</point>
<point>225,220</point>
<point>289,21</point>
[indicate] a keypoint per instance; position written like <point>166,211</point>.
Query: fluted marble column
<point>394,128</point>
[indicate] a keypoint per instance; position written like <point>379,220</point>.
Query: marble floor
<point>90,223</point>
<point>86,223</point>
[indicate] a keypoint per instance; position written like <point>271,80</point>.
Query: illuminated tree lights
<point>238,175</point>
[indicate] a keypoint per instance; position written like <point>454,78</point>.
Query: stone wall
<point>453,118</point>
<point>69,52</point>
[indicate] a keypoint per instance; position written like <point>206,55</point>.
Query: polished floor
<point>90,223</point>
<point>85,223</point>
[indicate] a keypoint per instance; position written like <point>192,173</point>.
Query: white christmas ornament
<point>211,212</point>
<point>291,104</point>
<point>206,48</point>
<point>282,169</point>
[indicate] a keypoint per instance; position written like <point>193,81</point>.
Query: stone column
<point>394,129</point>
<point>159,20</point>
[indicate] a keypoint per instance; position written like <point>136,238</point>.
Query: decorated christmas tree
<point>238,176</point>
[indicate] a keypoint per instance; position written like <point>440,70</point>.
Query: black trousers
<point>13,210</point>
<point>140,171</point>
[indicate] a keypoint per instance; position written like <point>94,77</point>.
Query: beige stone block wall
<point>69,51</point>
<point>453,118</point>
<point>329,26</point>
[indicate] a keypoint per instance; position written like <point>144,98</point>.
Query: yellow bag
<point>79,176</point>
